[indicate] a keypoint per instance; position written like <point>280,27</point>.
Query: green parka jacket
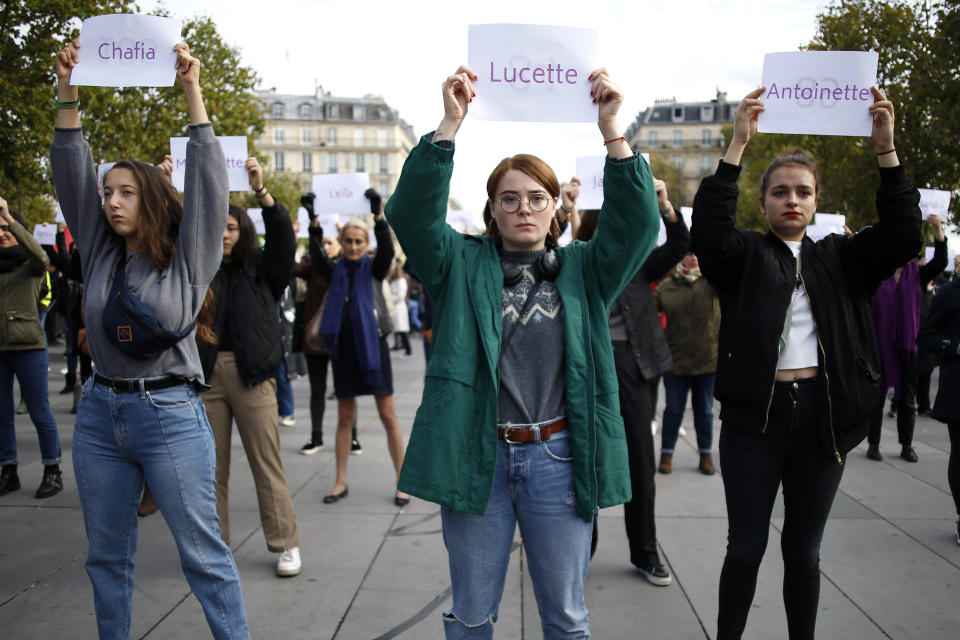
<point>19,292</point>
<point>451,455</point>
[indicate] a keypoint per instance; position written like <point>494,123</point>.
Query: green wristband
<point>64,105</point>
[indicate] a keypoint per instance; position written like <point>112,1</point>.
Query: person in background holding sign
<point>23,354</point>
<point>141,417</point>
<point>896,320</point>
<point>797,372</point>
<point>519,421</point>
<point>240,367</point>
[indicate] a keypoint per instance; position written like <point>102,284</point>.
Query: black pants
<point>635,408</point>
<point>754,465</point>
<point>906,407</point>
<point>953,467</point>
<point>317,367</point>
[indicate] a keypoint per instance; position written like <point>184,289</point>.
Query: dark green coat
<point>451,455</point>
<point>19,292</point>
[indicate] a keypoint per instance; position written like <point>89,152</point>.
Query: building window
<point>332,162</point>
<point>677,162</point>
<point>306,136</point>
<point>706,113</point>
<point>276,110</point>
<point>358,137</point>
<point>705,163</point>
<point>278,164</point>
<point>678,138</point>
<point>706,137</point>
<point>306,111</point>
<point>384,163</point>
<point>361,165</point>
<point>653,138</point>
<point>331,136</point>
<point>678,114</point>
<point>278,135</point>
<point>307,161</point>
<point>358,112</point>
<point>384,188</point>
<point>383,137</point>
<point>333,111</point>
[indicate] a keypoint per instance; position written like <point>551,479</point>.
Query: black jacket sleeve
<point>321,264</point>
<point>666,257</point>
<point>714,237</point>
<point>276,260</point>
<point>937,265</point>
<point>385,251</point>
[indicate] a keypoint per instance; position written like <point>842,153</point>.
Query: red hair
<point>533,167</point>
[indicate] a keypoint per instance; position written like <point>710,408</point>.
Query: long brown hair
<point>533,167</point>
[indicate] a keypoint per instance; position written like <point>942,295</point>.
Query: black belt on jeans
<point>132,385</point>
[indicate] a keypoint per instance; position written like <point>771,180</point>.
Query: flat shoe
<point>334,497</point>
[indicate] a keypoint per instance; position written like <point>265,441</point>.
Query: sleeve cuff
<point>893,175</point>
<point>202,132</point>
<point>728,172</point>
<point>441,144</point>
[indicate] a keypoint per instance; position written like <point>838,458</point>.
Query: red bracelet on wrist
<point>615,139</point>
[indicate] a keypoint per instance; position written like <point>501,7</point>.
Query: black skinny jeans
<point>953,467</point>
<point>754,465</point>
<point>317,367</point>
<point>906,407</point>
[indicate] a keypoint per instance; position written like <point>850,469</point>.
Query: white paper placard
<point>687,213</point>
<point>234,154</point>
<point>462,220</point>
<point>951,254</point>
<point>662,236</point>
<point>830,219</point>
<point>127,50</point>
<point>256,215</point>
<point>590,172</point>
<point>304,219</point>
<point>59,215</point>
<point>102,170</point>
<point>818,92</point>
<point>566,237</point>
<point>645,156</point>
<point>532,73</point>
<point>45,233</point>
<point>934,201</point>
<point>341,193</point>
<point>372,239</point>
<point>817,232</point>
<point>328,222</point>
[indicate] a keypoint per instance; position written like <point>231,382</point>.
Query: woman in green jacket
<point>519,421</point>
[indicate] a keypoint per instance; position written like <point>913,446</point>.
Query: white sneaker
<point>289,563</point>
<point>287,421</point>
<point>653,427</point>
<point>682,432</point>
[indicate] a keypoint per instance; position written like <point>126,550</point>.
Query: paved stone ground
<point>891,568</point>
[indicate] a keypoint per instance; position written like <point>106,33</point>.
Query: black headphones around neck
<point>547,267</point>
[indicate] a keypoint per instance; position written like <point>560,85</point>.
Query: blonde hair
<point>355,223</point>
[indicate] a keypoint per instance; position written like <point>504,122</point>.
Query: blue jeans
<point>30,368</point>
<point>284,390</point>
<point>163,437</point>
<point>701,390</point>
<point>532,486</point>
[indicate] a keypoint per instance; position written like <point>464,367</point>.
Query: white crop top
<point>800,335</point>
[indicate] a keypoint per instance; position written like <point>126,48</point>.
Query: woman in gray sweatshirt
<point>140,417</point>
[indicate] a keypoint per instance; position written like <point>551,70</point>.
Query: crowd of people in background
<point>176,317</point>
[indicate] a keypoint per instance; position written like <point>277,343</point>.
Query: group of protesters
<point>544,360</point>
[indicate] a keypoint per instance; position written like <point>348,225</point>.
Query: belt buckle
<point>506,434</point>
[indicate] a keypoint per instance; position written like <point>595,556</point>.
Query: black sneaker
<point>908,454</point>
<point>52,483</point>
<point>9,480</point>
<point>355,448</point>
<point>311,447</point>
<point>656,574</point>
<point>873,452</point>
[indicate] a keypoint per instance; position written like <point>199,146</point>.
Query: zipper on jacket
<point>823,354</point>
<point>766,415</point>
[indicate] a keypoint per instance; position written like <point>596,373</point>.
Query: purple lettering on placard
<point>598,182</point>
<point>826,91</point>
<point>337,194</point>
<point>114,51</point>
<point>180,162</point>
<point>236,163</point>
<point>551,74</point>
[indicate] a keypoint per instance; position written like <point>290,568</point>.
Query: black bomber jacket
<point>754,275</point>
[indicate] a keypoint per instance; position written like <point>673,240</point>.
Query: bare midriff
<point>789,375</point>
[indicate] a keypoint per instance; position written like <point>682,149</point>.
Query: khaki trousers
<point>255,411</point>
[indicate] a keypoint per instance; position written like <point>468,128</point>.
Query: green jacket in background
<point>693,324</point>
<point>451,455</point>
<point>19,292</point>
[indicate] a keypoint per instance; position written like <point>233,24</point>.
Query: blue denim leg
<point>285,405</point>
<point>30,369</point>
<point>675,388</point>
<point>556,542</point>
<point>162,436</point>
<point>478,549</point>
<point>702,396</point>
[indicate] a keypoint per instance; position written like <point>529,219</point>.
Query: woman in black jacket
<point>940,334</point>
<point>797,373</point>
<point>240,366</point>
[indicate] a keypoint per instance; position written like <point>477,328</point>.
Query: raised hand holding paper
<point>341,193</point>
<point>127,50</point>
<point>818,92</point>
<point>934,201</point>
<point>45,233</point>
<point>256,216</point>
<point>532,73</point>
<point>234,153</point>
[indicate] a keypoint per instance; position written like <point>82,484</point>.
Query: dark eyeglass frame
<point>519,200</point>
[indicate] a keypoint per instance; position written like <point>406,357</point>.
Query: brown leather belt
<point>523,434</point>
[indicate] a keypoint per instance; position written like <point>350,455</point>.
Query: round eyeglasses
<point>510,203</point>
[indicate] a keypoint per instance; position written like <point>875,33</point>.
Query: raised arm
<point>938,263</point>
<point>280,243</point>
<point>666,257</point>
<point>383,260</point>
<point>36,258</point>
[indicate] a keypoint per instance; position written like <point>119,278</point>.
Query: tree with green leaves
<point>134,122</point>
<point>918,51</point>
